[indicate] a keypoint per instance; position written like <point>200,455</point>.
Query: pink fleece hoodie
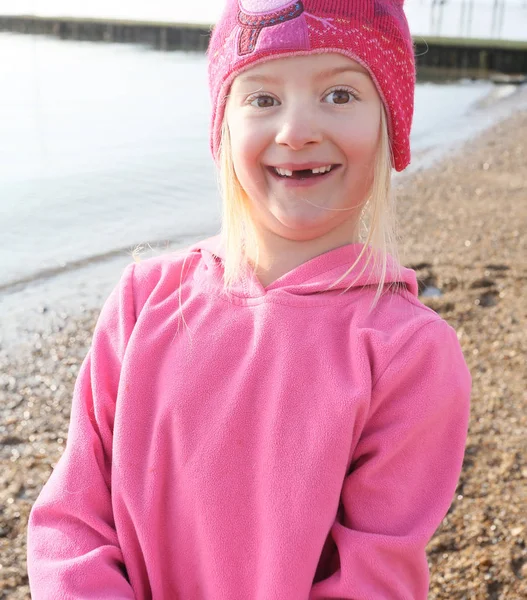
<point>271,444</point>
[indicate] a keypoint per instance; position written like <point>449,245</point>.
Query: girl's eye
<point>340,96</point>
<point>262,101</point>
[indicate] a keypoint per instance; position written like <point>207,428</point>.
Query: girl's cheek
<point>240,134</point>
<point>363,135</point>
<point>248,147</point>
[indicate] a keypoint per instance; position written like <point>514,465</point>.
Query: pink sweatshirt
<point>274,444</point>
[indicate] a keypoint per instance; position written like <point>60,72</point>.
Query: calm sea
<point>103,147</point>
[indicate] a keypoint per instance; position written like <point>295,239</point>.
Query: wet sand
<point>463,227</point>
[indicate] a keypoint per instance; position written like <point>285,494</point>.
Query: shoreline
<point>34,303</point>
<point>463,225</point>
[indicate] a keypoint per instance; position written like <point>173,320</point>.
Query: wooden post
<point>483,66</point>
<point>163,39</point>
<point>108,35</point>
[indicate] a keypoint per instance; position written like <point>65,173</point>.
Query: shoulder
<point>398,315</point>
<point>159,277</point>
<point>402,330</point>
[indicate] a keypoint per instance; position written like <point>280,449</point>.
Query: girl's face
<point>291,115</point>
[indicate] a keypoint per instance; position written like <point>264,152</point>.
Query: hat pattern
<point>285,19</point>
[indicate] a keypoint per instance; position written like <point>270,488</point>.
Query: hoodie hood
<point>315,276</point>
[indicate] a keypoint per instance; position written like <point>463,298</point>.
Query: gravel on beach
<point>463,227</point>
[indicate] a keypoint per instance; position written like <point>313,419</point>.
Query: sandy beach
<point>463,227</point>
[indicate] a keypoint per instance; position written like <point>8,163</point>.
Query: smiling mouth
<point>304,173</point>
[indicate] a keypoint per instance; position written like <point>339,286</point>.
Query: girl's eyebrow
<point>258,79</point>
<point>322,75</point>
<point>356,68</point>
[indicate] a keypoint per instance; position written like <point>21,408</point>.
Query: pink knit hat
<point>373,32</point>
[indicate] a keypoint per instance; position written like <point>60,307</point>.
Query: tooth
<point>321,170</point>
<point>283,172</point>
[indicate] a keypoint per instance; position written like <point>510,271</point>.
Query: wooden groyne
<point>435,55</point>
<point>163,36</point>
<point>469,57</point>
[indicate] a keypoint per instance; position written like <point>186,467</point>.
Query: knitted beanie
<point>372,32</point>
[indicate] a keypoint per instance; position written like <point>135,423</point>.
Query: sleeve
<point>73,548</point>
<point>403,473</point>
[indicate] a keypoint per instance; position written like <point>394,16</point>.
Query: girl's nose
<point>298,129</point>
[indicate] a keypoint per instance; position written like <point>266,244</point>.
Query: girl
<point>273,414</point>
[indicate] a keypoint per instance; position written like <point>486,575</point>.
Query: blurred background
<point>104,146</point>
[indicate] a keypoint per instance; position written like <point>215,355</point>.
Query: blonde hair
<point>377,226</point>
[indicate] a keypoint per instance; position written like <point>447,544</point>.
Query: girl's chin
<point>302,221</point>
<point>303,228</point>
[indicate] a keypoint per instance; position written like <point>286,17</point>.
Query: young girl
<point>272,414</point>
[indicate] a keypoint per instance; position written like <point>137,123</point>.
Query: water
<point>103,147</point>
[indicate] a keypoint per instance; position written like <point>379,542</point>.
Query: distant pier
<point>162,36</point>
<point>470,57</point>
<point>436,56</point>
